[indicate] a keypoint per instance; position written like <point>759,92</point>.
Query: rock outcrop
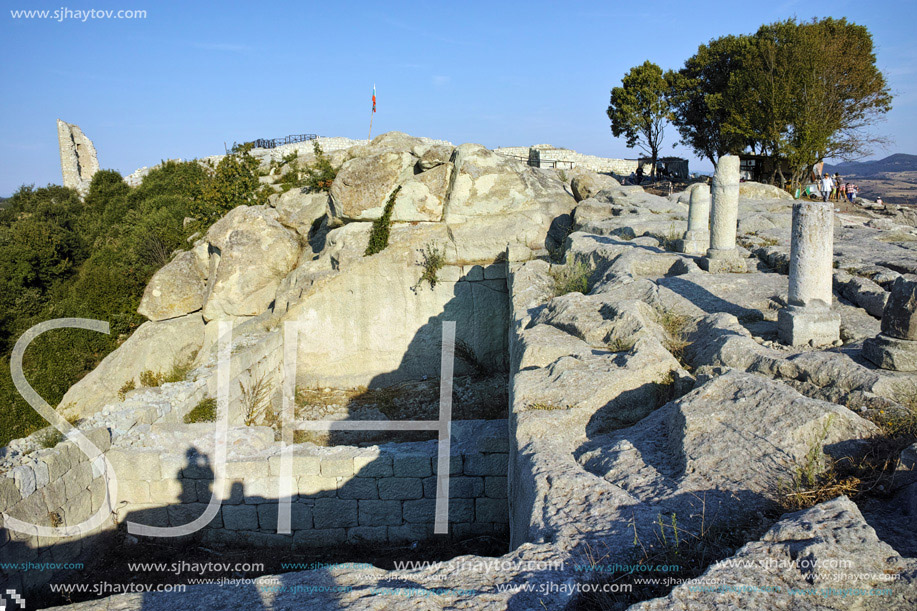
<point>77,157</point>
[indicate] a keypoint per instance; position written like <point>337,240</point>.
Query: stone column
<point>808,317</point>
<point>722,255</point>
<point>696,240</point>
<point>896,346</point>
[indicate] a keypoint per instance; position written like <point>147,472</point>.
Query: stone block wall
<point>383,494</point>
<point>590,162</point>
<point>57,486</point>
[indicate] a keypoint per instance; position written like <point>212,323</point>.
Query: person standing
<point>841,191</point>
<point>826,184</point>
<point>835,192</point>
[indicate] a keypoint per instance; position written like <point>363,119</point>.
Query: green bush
<point>378,237</point>
<point>319,175</point>
<point>205,411</point>
<point>235,182</point>
<point>63,257</point>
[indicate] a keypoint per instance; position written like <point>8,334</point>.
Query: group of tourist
<point>835,189</point>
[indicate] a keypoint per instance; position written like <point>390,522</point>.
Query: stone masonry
<point>896,346</point>
<point>722,255</point>
<point>697,238</point>
<point>808,318</point>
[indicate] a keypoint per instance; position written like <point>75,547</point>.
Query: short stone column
<point>722,255</point>
<point>808,317</point>
<point>896,346</point>
<point>696,240</point>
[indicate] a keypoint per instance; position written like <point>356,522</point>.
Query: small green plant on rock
<point>205,411</point>
<point>382,226</point>
<point>545,406</point>
<point>570,278</point>
<point>126,388</point>
<point>434,259</point>
<point>621,344</point>
<point>320,174</point>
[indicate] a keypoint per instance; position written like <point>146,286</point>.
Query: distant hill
<point>899,162</point>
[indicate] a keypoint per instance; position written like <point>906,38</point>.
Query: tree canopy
<point>801,92</point>
<point>639,108</point>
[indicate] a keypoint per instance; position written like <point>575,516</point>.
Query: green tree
<point>801,92</point>
<point>703,101</point>
<point>639,108</point>
<point>235,182</point>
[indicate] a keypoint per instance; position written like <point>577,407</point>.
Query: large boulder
<point>586,184</point>
<point>756,190</point>
<point>363,185</point>
<point>795,566</point>
<point>155,346</point>
<point>488,184</point>
<point>252,252</point>
<point>299,211</point>
<point>176,289</point>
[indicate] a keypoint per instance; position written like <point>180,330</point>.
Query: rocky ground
<point>654,418</point>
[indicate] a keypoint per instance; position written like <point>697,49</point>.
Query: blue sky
<point>192,75</point>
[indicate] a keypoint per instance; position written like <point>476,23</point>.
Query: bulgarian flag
<point>374,97</point>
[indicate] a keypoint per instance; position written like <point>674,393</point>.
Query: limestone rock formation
<point>794,566</point>
<point>176,289</point>
<point>77,157</point>
<point>587,184</point>
<point>756,190</point>
<point>156,347</point>
<point>252,254</point>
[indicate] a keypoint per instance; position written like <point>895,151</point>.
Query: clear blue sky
<point>193,75</point>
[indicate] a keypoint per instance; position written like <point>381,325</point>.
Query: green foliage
<point>205,411</point>
<point>799,91</point>
<point>235,182</point>
<point>569,278</point>
<point>639,108</point>
<point>62,257</point>
<point>702,99</point>
<point>319,175</point>
<point>434,258</point>
<point>378,237</point>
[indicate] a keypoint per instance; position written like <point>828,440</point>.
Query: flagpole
<point>371,124</point>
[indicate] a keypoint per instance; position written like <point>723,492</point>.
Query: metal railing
<point>262,143</point>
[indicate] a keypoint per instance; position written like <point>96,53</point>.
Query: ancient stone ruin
<point>78,159</point>
<point>614,400</point>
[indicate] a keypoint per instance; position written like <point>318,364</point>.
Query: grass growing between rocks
<point>621,344</point>
<point>205,411</point>
<point>675,327</point>
<point>676,553</point>
<point>152,379</point>
<point>570,278</point>
<point>872,474</point>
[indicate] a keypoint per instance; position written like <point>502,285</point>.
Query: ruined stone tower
<point>77,157</point>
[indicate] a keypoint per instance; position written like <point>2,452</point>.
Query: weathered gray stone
<point>794,565</point>
<point>380,513</point>
<point>722,255</point>
<point>363,185</point>
<point>808,318</point>
<point>899,319</point>
<point>240,517</point>
<point>891,353</point>
<point>586,184</point>
<point>359,488</point>
<point>77,157</point>
<point>334,513</point>
<point>255,253</point>
<point>412,465</point>
<point>696,239</point>
<point>176,289</point>
<point>400,488</point>
<point>486,464</point>
<point>300,516</point>
<point>491,510</point>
